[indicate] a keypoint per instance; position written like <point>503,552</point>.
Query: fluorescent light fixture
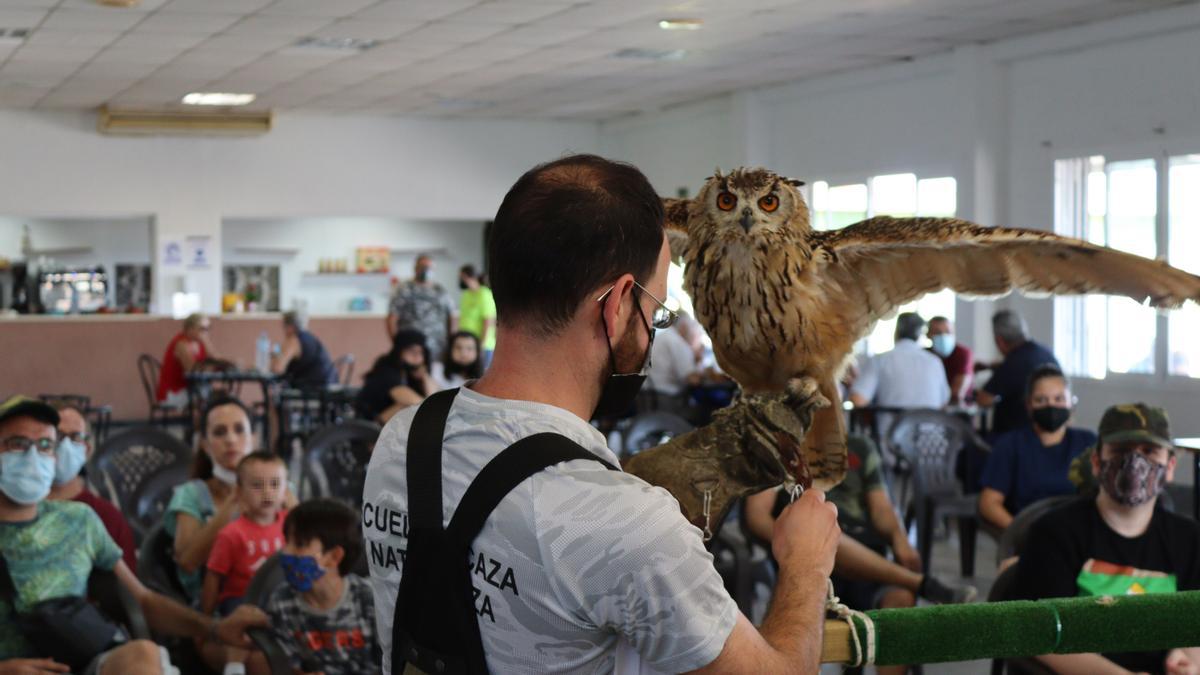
<point>217,98</point>
<point>651,54</point>
<point>681,24</point>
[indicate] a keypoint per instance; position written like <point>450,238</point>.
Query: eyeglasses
<point>78,436</point>
<point>664,317</point>
<point>22,444</point>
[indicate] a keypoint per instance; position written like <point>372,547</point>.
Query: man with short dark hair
<point>581,568</point>
<point>1118,542</point>
<point>956,358</point>
<point>1006,388</point>
<point>423,305</point>
<point>51,547</point>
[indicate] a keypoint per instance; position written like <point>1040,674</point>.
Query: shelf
<point>343,275</point>
<point>417,250</point>
<point>266,250</point>
<point>61,250</point>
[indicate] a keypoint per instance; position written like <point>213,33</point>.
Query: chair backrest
<point>151,497</point>
<point>930,440</point>
<point>80,402</point>
<point>1012,541</point>
<point>156,564</point>
<point>148,368</point>
<point>1004,585</point>
<point>123,462</point>
<point>335,461</point>
<point>653,429</point>
<point>265,580</point>
<point>344,365</point>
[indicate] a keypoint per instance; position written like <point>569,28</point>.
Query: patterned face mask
<point>300,571</point>
<point>1132,479</point>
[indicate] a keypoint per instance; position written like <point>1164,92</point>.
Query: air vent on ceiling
<point>340,44</point>
<point>183,122</point>
<point>651,54</point>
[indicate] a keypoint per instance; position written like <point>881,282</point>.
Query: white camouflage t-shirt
<point>580,569</point>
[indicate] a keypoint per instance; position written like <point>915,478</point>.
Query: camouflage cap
<point>23,406</point>
<point>1135,422</point>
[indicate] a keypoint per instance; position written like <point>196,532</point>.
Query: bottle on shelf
<point>262,353</point>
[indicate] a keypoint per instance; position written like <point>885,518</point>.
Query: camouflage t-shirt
<point>51,556</point>
<point>426,308</point>
<point>341,638</point>
<point>863,474</point>
<point>579,569</point>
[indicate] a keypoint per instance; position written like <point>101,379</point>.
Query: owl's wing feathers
<point>677,212</point>
<point>873,267</point>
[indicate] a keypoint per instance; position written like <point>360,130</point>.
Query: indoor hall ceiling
<point>579,59</point>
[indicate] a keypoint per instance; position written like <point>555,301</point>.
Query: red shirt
<point>960,362</point>
<point>115,523</point>
<point>170,378</point>
<point>240,549</point>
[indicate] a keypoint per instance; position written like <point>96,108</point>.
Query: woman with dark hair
<point>398,379</point>
<point>202,506</point>
<point>1032,462</point>
<point>463,362</point>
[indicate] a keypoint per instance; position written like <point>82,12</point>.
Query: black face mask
<point>1050,418</point>
<point>422,275</point>
<point>620,389</point>
<point>462,285</point>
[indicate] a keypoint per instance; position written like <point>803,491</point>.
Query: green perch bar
<point>1022,628</point>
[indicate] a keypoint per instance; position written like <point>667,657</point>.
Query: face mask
<point>25,477</point>
<point>422,275</point>
<point>71,457</point>
<point>226,476</point>
<point>620,390</point>
<point>1132,479</point>
<point>943,344</point>
<point>300,571</point>
<point>462,285</point>
<point>1050,418</point>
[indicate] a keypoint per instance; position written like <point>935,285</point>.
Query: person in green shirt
<point>477,311</point>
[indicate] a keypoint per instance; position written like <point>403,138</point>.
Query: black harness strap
<point>435,626</point>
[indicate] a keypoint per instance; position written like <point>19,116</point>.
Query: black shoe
<point>939,592</point>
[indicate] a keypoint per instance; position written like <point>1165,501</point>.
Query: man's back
<point>1008,382</point>
<point>905,377</point>
<point>573,561</point>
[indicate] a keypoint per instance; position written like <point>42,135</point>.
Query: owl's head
<point>751,203</point>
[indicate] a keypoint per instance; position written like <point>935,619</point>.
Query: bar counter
<point>97,354</point>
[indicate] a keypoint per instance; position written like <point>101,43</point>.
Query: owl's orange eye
<point>768,203</point>
<point>726,201</point>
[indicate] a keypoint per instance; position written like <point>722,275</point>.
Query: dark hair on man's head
<point>469,271</point>
<point>939,318</point>
<point>261,457</point>
<point>909,325</point>
<point>1042,372</point>
<point>201,462</point>
<point>565,228</point>
<point>330,522</point>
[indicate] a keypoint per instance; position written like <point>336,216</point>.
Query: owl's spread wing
<point>676,212</point>
<point>873,267</point>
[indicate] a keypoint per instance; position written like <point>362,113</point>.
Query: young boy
<point>242,545</point>
<point>323,616</point>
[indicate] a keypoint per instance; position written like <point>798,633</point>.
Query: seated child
<point>241,546</point>
<point>324,616</point>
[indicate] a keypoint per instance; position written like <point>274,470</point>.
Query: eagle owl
<point>780,300</point>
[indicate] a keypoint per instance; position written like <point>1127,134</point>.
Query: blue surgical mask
<point>943,344</point>
<point>71,457</point>
<point>25,477</point>
<point>300,571</point>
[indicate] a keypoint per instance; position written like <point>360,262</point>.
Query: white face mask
<point>226,476</point>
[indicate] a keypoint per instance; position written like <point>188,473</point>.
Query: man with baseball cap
<point>49,549</point>
<point>1118,542</point>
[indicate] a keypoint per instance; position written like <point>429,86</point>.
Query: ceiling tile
<point>294,26</point>
<point>248,43</point>
<point>21,18</point>
<point>164,41</point>
<point>95,19</point>
<point>408,10</point>
<point>367,30</point>
<point>187,22</point>
<point>71,38</point>
<point>142,7</point>
<point>226,57</point>
<point>317,8</point>
<point>218,6</point>
<point>510,13</point>
<point>536,34</point>
<point>54,54</point>
<point>456,32</point>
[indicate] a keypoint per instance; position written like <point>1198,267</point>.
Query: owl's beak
<point>747,220</point>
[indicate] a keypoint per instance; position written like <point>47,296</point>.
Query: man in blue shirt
<point>1005,390</point>
<point>1032,462</point>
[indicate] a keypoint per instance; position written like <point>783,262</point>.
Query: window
<point>1117,203</point>
<point>901,195</point>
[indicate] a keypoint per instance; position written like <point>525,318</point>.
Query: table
<point>1192,445</point>
<point>200,385</point>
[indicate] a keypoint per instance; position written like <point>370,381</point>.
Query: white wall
<point>307,166</point>
<point>994,116</point>
<point>250,241</point>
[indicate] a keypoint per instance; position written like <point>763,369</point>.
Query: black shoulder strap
<point>8,592</point>
<point>435,626</point>
<point>506,471</point>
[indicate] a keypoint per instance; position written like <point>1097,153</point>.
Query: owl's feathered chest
<point>753,297</point>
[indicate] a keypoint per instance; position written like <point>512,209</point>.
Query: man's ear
<point>334,556</point>
<point>1096,461</point>
<point>614,304</point>
<point>1172,462</point>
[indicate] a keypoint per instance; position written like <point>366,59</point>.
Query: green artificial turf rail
<point>1022,628</point>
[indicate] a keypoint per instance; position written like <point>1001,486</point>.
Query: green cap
<point>1135,422</point>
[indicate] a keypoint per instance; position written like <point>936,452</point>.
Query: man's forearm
<point>172,618</point>
<point>1081,664</point>
<point>795,624</point>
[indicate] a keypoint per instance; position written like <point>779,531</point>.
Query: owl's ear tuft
<point>717,175</point>
<point>793,182</point>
